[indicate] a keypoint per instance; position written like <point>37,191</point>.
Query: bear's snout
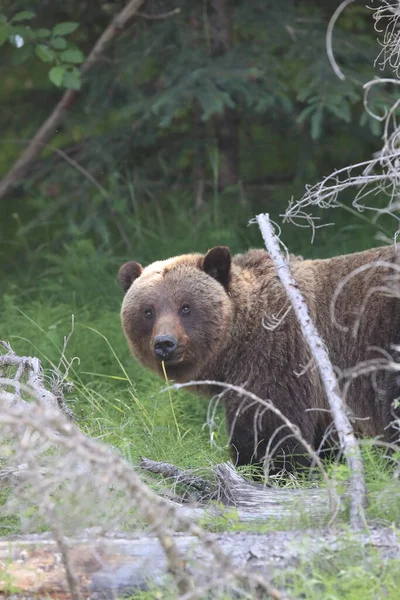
<point>165,346</point>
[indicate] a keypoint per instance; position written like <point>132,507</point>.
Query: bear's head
<point>178,311</point>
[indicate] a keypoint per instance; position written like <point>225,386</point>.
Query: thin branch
<point>348,442</point>
<point>160,16</point>
<point>49,127</point>
<point>329,33</point>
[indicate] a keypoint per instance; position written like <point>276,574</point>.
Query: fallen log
<point>252,501</point>
<point>108,567</point>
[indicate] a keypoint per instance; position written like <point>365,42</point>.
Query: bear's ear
<point>217,263</point>
<point>128,273</point>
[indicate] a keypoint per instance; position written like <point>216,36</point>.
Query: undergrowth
<point>352,573</point>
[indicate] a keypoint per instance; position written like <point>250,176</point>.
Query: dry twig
<point>159,16</point>
<point>329,33</point>
<point>30,369</point>
<point>389,12</point>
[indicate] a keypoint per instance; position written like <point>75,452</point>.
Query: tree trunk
<point>226,132</point>
<point>199,162</point>
<point>227,124</point>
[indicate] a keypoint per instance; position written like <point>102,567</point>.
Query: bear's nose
<point>165,346</point>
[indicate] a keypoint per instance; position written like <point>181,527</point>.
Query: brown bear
<point>214,317</point>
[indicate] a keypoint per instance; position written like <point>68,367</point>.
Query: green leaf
<point>72,56</point>
<point>45,53</point>
<point>65,28</point>
<point>59,43</point>
<point>376,127</point>
<point>42,33</point>
<point>342,111</point>
<point>3,19</point>
<point>316,123</point>
<point>24,15</point>
<point>305,113</point>
<point>56,75</point>
<point>72,79</point>
<point>4,33</point>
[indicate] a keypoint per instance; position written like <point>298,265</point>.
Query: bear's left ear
<point>217,263</point>
<point>128,273</point>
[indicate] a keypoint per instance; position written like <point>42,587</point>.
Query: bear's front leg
<point>260,437</point>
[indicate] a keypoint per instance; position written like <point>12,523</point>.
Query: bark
<point>49,127</point>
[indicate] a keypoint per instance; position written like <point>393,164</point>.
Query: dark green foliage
<point>146,120</point>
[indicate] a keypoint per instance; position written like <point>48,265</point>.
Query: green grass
<point>113,398</point>
<point>353,573</point>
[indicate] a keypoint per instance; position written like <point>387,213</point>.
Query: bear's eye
<point>185,309</point>
<point>148,313</point>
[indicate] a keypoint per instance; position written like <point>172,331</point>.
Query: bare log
<point>253,502</point>
<point>49,127</point>
<point>115,566</point>
<point>347,439</point>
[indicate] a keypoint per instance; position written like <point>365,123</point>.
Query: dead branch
<point>329,33</point>
<point>159,16</point>
<point>388,11</point>
<point>180,477</point>
<point>348,441</point>
<point>49,127</point>
<point>30,369</point>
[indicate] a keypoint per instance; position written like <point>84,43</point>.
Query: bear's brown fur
<point>209,317</point>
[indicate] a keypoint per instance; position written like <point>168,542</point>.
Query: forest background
<point>197,116</point>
